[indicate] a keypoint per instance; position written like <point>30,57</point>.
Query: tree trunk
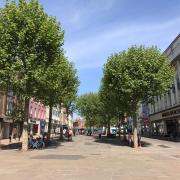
<point>119,125</point>
<point>10,132</point>
<point>25,125</point>
<point>61,132</point>
<point>61,121</point>
<point>90,131</point>
<point>135,130</point>
<point>49,123</point>
<point>108,124</point>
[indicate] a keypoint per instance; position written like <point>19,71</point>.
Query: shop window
<point>30,111</point>
<point>35,128</point>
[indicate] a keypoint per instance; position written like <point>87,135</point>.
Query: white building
<point>165,112</point>
<point>56,112</point>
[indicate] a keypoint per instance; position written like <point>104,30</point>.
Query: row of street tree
<point>32,59</point>
<point>129,78</point>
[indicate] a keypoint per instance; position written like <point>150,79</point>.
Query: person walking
<point>139,137</point>
<point>74,131</point>
<point>9,138</point>
<point>14,132</point>
<point>130,139</point>
<point>1,135</point>
<point>100,133</point>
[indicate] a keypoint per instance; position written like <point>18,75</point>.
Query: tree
<point>57,85</point>
<point>30,41</point>
<point>109,110</point>
<point>88,106</point>
<point>71,88</point>
<point>135,75</point>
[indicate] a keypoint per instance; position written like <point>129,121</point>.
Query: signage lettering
<point>171,113</point>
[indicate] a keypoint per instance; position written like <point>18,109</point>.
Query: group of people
<point>67,133</point>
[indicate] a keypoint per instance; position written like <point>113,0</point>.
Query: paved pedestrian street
<point>87,158</point>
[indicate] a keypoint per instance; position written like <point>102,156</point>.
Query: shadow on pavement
<point>163,138</point>
<point>145,144</point>
<point>52,144</point>
<point>59,157</point>
<point>117,142</point>
<point>11,146</point>
<point>113,141</point>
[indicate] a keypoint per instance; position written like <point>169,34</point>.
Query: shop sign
<point>42,124</point>
<point>7,120</point>
<point>171,113</point>
<point>32,121</point>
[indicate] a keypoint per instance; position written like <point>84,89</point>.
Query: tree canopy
<point>138,74</point>
<point>88,105</point>
<point>57,85</point>
<point>135,75</point>
<point>30,42</point>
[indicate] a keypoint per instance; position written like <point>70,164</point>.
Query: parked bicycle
<point>36,143</point>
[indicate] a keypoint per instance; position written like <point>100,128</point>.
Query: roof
<point>173,49</point>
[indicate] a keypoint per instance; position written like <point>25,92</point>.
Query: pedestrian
<point>1,134</point>
<point>100,133</point>
<point>9,138</point>
<point>70,133</point>
<point>74,131</point>
<point>130,139</point>
<point>90,132</point>
<point>139,137</point>
<point>14,132</point>
<point>64,132</point>
<point>77,132</point>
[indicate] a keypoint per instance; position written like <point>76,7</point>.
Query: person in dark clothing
<point>100,133</point>
<point>10,138</point>
<point>74,131</point>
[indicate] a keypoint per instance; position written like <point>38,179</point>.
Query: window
<point>35,113</point>
<point>9,102</point>
<point>31,111</point>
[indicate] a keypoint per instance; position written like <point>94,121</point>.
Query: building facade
<point>63,117</point>
<point>79,123</point>
<point>7,101</point>
<point>165,111</point>
<point>144,120</point>
<point>4,121</point>
<point>56,112</point>
<point>37,117</point>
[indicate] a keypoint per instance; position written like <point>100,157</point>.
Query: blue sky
<point>94,29</point>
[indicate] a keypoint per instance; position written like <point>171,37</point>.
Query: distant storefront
<point>33,126</point>
<point>7,126</point>
<point>42,126</point>
<point>166,123</point>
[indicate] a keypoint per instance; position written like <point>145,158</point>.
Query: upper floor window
<point>9,101</point>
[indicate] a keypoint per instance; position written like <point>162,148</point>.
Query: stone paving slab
<point>86,158</point>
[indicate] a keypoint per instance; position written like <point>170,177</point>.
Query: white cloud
<point>78,14</point>
<point>92,51</point>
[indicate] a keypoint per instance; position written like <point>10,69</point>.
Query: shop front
<point>34,127</point>
<point>166,123</point>
<point>55,127</point>
<point>5,127</point>
<point>145,127</point>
